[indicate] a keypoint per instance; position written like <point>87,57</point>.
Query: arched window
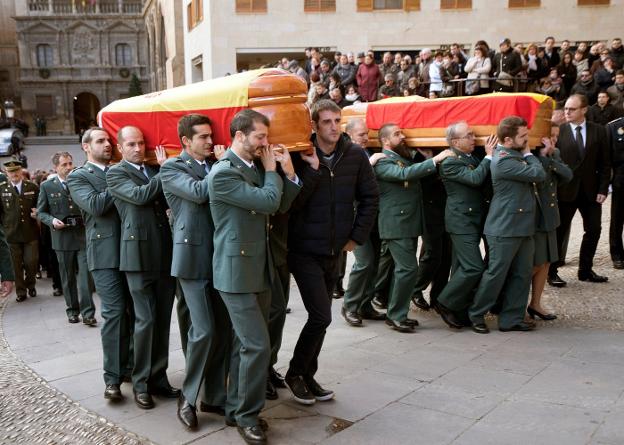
<point>123,54</point>
<point>44,55</point>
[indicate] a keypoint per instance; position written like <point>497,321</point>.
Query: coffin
<point>424,121</point>
<point>279,95</point>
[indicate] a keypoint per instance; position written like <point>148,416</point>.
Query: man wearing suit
<point>18,214</point>
<point>88,188</point>
<point>185,184</point>
<point>243,194</point>
<point>145,257</point>
<point>585,149</point>
<point>463,178</point>
<point>615,134</point>
<point>56,209</point>
<point>509,229</point>
<point>401,220</point>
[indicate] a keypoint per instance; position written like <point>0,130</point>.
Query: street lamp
<point>9,108</point>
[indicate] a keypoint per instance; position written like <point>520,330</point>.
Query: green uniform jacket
<point>88,188</point>
<point>513,209</point>
<point>464,177</point>
<point>145,233</point>
<point>55,202</point>
<point>185,185</point>
<point>6,266</point>
<point>557,172</point>
<point>241,201</point>
<point>400,195</point>
<point>15,211</point>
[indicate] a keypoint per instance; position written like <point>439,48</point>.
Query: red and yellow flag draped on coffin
<point>279,95</point>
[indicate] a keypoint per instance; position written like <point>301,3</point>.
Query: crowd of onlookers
<point>594,70</point>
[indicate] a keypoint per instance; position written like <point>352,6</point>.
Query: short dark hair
<point>619,72</point>
<point>187,123</point>
<point>548,38</point>
<point>582,99</point>
<point>508,127</point>
<point>245,121</point>
<point>88,134</point>
<point>384,131</point>
<point>323,105</point>
<point>56,157</point>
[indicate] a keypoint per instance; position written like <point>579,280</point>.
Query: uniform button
<point>551,184</point>
<point>253,212</point>
<point>98,235</point>
<point>552,194</point>
<point>185,240</point>
<point>552,204</point>
<point>401,212</point>
<point>71,207</point>
<point>270,226</point>
<point>242,252</point>
<point>520,210</point>
<point>22,220</point>
<point>470,209</point>
<point>131,236</point>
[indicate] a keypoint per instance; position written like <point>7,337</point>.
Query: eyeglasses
<point>468,136</point>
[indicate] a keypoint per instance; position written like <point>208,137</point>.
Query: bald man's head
<point>131,144</point>
<point>358,132</point>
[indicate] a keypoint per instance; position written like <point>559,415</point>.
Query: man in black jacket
<point>323,223</point>
<point>506,61</point>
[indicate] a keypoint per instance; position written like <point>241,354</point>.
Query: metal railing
<point>66,7</point>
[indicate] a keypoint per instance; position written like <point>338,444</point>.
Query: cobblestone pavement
<point>32,412</point>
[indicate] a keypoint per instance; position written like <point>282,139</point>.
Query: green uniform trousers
<point>207,350</point>
<point>468,267</point>
<point>280,294</point>
<point>434,262</point>
<point>508,273</point>
<point>403,252</point>
<point>77,293</point>
<point>251,352</point>
<point>152,296</point>
<point>360,290</point>
<point>25,257</point>
<point>116,331</point>
<point>384,272</point>
<point>184,318</point>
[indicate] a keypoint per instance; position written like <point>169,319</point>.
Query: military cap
<point>13,166</point>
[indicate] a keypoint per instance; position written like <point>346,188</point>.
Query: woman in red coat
<point>368,77</point>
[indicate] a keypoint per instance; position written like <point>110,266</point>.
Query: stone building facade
<point>8,54</point>
<point>76,56</point>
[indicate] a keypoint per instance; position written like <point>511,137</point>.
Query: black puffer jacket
<point>322,217</point>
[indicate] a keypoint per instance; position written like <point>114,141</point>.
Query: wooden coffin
<point>424,121</point>
<point>278,94</point>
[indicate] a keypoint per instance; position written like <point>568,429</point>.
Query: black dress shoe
<point>400,326</point>
<point>113,393</point>
<point>480,328</point>
<point>352,318</point>
<point>420,302</point>
<point>522,326</point>
<point>89,321</point>
<point>73,319</point>
<point>380,302</point>
<point>592,277</point>
<point>271,392</point>
<point>205,408</point>
<point>300,391</point>
<point>32,293</point>
<point>411,321</point>
<point>261,423</point>
<point>143,400</point>
<point>276,378</point>
<point>533,313</point>
<point>372,314</point>
<point>252,435</point>
<point>555,280</point>
<point>168,392</point>
<point>20,298</point>
<point>186,413</point>
<point>448,316</point>
<point>618,264</point>
<point>321,394</point>
<point>57,292</point>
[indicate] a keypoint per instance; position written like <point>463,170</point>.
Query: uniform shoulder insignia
<point>616,120</point>
<point>502,154</point>
<point>400,164</point>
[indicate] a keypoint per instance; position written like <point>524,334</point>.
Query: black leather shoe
<point>20,298</point>
<point>261,423</point>
<point>89,321</point>
<point>380,302</point>
<point>186,413</point>
<point>518,327</point>
<point>618,264</point>
<point>276,378</point>
<point>252,435</point>
<point>480,328</point>
<point>143,400</point>
<point>205,408</point>
<point>420,302</point>
<point>533,313</point>
<point>57,293</point>
<point>321,394</point>
<point>592,277</point>
<point>372,314</point>
<point>352,318</point>
<point>411,322</point>
<point>168,392</point>
<point>555,280</point>
<point>301,392</point>
<point>271,392</point>
<point>113,393</point>
<point>400,326</point>
<point>73,319</point>
<point>32,293</point>
<point>448,316</point>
